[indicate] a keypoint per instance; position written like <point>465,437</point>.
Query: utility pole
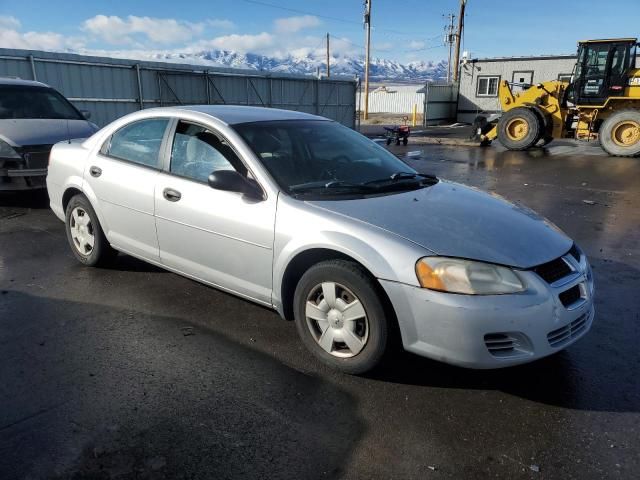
<point>367,53</point>
<point>328,64</point>
<point>448,39</point>
<point>456,65</point>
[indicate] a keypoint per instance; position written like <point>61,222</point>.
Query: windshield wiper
<point>330,185</point>
<point>398,176</point>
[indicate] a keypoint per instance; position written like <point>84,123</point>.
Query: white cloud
<point>383,47</point>
<point>117,30</point>
<point>37,40</point>
<point>260,43</point>
<point>416,44</point>
<point>9,22</point>
<point>221,23</point>
<point>295,24</point>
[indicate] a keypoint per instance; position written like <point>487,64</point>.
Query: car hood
<point>458,221</point>
<point>43,131</point>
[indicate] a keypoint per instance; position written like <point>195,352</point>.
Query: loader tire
<point>519,128</point>
<point>620,134</point>
<point>546,140</point>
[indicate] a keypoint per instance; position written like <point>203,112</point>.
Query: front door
<point>521,80</point>
<point>123,177</point>
<point>602,71</point>
<point>220,237</point>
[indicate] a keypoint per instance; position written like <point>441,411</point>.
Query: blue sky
<point>404,30</point>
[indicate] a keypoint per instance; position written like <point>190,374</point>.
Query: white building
<point>479,79</point>
<point>389,98</point>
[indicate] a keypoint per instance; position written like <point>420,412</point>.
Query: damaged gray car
<point>33,117</point>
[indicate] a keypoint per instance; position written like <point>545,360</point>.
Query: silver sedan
<point>308,217</point>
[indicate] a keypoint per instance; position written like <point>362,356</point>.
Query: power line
<point>326,17</point>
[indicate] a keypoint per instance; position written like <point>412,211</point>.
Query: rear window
<point>18,101</point>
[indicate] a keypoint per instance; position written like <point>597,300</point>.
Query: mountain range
<point>380,69</point>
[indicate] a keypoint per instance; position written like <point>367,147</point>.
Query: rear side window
<point>139,142</point>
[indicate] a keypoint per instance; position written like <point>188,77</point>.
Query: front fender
<point>339,242</point>
<point>301,227</point>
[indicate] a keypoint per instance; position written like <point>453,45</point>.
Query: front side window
<point>21,102</point>
<point>487,86</point>
<point>139,142</point>
<point>197,152</point>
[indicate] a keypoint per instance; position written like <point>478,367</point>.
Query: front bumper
<point>23,179</point>
<point>494,331</point>
<point>28,172</point>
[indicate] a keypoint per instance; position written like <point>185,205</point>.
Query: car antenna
<point>68,133</point>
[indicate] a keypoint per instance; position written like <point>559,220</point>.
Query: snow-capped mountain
<point>380,69</point>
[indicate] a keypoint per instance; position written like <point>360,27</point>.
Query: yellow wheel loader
<point>602,101</point>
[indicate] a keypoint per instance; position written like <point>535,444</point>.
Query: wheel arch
<point>304,260</point>
<point>68,194</point>
<point>72,190</point>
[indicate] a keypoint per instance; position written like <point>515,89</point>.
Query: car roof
<point>234,114</point>
<point>20,81</point>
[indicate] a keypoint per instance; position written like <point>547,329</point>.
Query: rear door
<point>220,237</point>
<point>123,177</point>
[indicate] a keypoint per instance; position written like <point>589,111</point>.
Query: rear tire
<point>340,316</point>
<point>84,233</point>
<point>519,128</point>
<point>619,134</point>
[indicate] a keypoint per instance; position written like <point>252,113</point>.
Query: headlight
<point>465,276</point>
<point>7,151</point>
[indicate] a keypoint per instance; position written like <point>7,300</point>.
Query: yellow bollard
<point>415,114</point>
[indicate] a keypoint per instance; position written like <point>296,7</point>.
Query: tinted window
<point>139,142</point>
<point>197,152</point>
<point>301,152</point>
<point>17,101</point>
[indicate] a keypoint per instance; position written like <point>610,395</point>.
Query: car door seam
<point>266,247</point>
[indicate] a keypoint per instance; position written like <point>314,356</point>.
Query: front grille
<point>499,344</point>
<point>571,296</point>
<point>36,156</point>
<point>575,252</point>
<point>561,336</point>
<point>554,270</point>
<point>508,344</point>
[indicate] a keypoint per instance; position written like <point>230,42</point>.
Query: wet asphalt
<point>134,372</point>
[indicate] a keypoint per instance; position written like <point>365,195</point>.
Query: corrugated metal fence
<point>440,103</point>
<point>110,87</point>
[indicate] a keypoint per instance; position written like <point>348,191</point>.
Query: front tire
<point>519,129</point>
<point>84,233</point>
<point>340,316</point>
<point>620,134</point>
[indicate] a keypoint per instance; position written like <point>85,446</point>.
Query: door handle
<point>171,194</point>
<point>95,171</point>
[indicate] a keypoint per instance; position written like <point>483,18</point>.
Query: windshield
<point>326,157</point>
<point>18,101</point>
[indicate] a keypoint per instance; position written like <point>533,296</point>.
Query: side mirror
<point>232,181</point>
<point>86,114</point>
